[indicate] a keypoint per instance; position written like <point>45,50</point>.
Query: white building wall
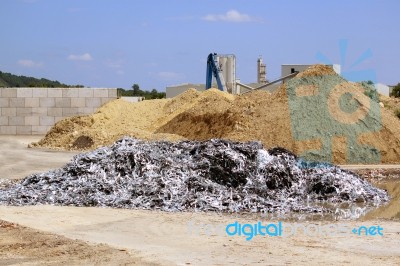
<point>173,91</point>
<point>382,89</point>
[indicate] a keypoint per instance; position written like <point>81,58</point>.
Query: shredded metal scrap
<point>214,175</point>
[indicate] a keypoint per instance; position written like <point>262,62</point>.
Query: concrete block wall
<point>33,111</point>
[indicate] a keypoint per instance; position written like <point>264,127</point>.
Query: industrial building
<point>175,90</point>
<point>261,71</point>
<point>383,89</point>
<point>227,63</point>
<point>226,67</point>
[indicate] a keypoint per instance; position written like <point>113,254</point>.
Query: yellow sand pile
<point>316,70</point>
<point>259,115</point>
<point>120,118</point>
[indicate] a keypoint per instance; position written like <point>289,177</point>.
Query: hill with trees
<point>12,81</point>
<point>8,80</point>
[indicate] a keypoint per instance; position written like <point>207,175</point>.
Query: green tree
<point>154,94</point>
<point>396,91</point>
<point>136,90</point>
<point>370,90</point>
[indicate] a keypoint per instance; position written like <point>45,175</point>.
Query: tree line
<point>14,81</point>
<point>136,91</point>
<point>8,80</point>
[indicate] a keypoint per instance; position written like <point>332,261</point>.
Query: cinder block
<point>24,130</point>
<point>39,111</point>
<point>70,93</point>
<point>17,102</point>
<point>24,111</point>
<point>16,121</point>
<point>8,93</point>
<point>40,130</point>
<point>39,93</point>
<point>31,120</point>
<point>86,93</point>
<point>100,93</point>
<point>8,130</point>
<point>3,120</point>
<point>31,102</point>
<point>78,102</point>
<point>4,102</point>
<point>11,111</point>
<point>24,92</point>
<point>112,93</point>
<point>47,102</point>
<point>63,102</point>
<point>86,110</point>
<point>93,102</point>
<point>70,111</point>
<point>46,120</point>
<point>56,93</point>
<point>106,100</point>
<point>54,111</point>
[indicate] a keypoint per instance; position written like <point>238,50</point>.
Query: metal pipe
<point>270,83</point>
<point>245,86</point>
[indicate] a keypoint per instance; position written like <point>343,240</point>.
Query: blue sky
<point>157,43</point>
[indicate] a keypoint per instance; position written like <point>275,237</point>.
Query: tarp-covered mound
<point>214,175</point>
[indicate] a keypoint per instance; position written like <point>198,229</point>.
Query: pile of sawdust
<point>199,116</point>
<point>112,121</point>
<point>120,118</point>
<point>259,115</point>
<point>316,70</point>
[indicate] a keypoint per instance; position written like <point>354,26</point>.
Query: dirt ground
<point>17,161</point>
<point>25,246</point>
<point>53,235</point>
<point>182,238</point>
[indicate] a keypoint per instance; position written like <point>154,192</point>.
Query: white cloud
<point>231,16</point>
<point>29,63</point>
<point>83,57</point>
<point>167,75</point>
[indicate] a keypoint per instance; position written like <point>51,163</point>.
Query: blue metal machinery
<point>213,69</point>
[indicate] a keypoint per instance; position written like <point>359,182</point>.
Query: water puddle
<point>391,210</point>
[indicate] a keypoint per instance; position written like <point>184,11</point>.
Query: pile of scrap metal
<point>213,175</point>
